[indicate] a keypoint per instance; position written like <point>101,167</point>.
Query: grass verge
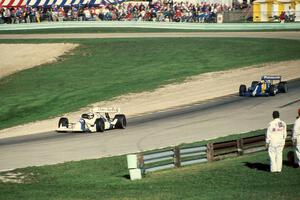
<point>244,178</point>
<point>101,69</point>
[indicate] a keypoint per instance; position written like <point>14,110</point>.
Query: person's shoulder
<point>270,123</point>
<point>283,122</point>
<point>274,120</point>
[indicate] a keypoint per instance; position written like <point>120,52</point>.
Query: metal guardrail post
<point>240,146</point>
<point>210,152</point>
<point>140,158</point>
<point>177,162</point>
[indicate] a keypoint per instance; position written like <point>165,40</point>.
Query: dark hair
<point>275,114</point>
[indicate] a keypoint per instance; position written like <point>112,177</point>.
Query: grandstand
<point>60,3</point>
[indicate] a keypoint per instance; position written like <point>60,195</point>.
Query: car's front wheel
<point>242,90</point>
<point>100,125</point>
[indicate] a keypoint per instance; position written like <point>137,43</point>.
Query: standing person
<point>275,141</point>
<point>291,14</point>
<point>296,139</point>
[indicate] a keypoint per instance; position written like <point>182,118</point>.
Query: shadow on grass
<point>258,166</point>
<point>127,176</point>
<point>290,162</point>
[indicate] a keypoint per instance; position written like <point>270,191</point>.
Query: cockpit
<point>87,115</point>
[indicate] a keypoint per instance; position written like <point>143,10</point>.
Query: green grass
<point>101,69</point>
<point>244,178</point>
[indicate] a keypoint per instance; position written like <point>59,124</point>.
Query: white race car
<point>97,120</point>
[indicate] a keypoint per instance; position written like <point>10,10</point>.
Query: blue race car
<point>265,87</point>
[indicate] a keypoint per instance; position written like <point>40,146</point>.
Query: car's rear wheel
<point>272,90</point>
<point>282,87</point>
<point>63,122</point>
<point>100,125</point>
<point>122,122</point>
<point>242,90</point>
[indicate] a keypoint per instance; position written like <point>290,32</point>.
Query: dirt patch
<point>17,57</point>
<point>195,89</point>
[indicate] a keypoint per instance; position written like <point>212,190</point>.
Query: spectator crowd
<point>138,11</point>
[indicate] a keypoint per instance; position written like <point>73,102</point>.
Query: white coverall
<point>275,140</point>
<point>296,138</point>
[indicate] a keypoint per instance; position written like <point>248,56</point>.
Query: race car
<point>267,86</point>
<point>96,120</point>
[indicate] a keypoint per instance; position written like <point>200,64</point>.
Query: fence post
<point>240,146</point>
<point>140,158</point>
<point>177,162</point>
<point>210,152</point>
<point>288,140</point>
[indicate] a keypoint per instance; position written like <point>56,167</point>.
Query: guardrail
<point>171,158</point>
<point>182,156</point>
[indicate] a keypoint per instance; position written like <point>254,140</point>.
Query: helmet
<point>90,115</point>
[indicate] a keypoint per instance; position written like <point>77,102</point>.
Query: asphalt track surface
<point>219,117</point>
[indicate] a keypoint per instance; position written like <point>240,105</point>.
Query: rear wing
<point>105,110</point>
<point>271,78</point>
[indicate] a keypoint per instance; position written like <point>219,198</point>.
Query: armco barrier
<point>163,159</point>
<point>177,157</point>
<point>171,158</point>
<point>192,155</point>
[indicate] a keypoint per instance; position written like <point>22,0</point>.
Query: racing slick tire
<point>122,122</point>
<point>272,90</point>
<point>63,121</point>
<point>100,125</point>
<point>282,87</point>
<point>242,90</point>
